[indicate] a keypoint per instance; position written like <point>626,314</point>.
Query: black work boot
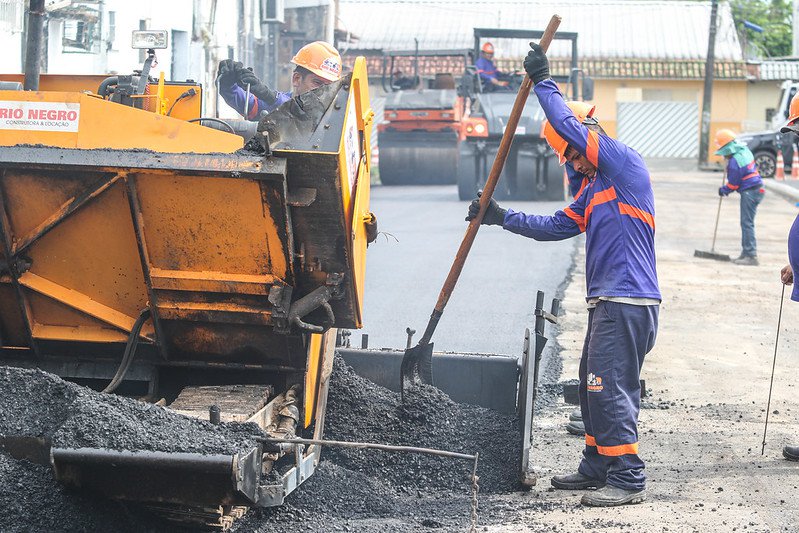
<point>576,415</point>
<point>576,427</point>
<point>791,453</point>
<point>576,481</point>
<point>610,496</point>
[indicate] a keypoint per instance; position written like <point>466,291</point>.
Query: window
<point>11,15</point>
<point>80,26</point>
<point>112,30</point>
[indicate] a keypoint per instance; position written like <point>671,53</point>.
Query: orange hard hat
<point>321,59</point>
<point>581,110</point>
<point>487,48</point>
<point>724,137</point>
<point>793,114</point>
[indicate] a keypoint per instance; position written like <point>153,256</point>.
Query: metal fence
<point>659,129</point>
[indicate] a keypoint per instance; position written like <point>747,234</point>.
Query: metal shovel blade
<point>712,255</point>
<point>416,367</point>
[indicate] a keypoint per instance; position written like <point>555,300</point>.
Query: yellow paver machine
<point>139,247</point>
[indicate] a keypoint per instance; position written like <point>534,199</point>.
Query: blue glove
<point>723,191</point>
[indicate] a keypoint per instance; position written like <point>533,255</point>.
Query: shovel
<point>417,363</point>
<point>712,254</point>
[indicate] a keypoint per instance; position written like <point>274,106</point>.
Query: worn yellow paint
<point>356,197</point>
<point>187,108</point>
<point>104,124</point>
<point>315,346</point>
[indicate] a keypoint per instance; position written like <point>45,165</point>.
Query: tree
<point>774,16</point>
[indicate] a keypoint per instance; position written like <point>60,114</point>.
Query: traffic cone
<point>795,165</point>
<point>780,172</point>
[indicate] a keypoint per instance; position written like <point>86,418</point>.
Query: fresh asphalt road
<point>494,299</point>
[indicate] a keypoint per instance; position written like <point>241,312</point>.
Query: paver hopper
<point>246,264</point>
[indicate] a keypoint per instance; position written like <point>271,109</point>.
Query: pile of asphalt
<point>383,492</point>
<point>352,490</point>
<point>38,404</point>
<point>31,500</point>
<point>359,410</point>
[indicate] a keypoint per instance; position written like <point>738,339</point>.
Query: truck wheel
<point>766,163</point>
<point>467,182</point>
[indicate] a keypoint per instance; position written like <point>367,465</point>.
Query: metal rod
<point>773,366</point>
<point>247,103</point>
<point>384,447</point>
<point>33,53</point>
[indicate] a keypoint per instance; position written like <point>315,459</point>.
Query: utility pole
<point>33,50</point>
<point>707,96</point>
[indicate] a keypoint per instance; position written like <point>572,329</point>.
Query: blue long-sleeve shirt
<point>236,97</point>
<point>793,257</point>
<point>615,209</point>
<point>486,69</point>
<point>742,173</point>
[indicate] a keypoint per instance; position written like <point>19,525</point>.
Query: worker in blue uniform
<point>615,210</point>
<point>317,64</point>
<point>743,178</point>
<point>791,453</point>
<point>490,77</point>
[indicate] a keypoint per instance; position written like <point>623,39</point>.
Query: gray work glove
<point>536,64</point>
<point>228,72</point>
<point>257,87</point>
<point>495,215</point>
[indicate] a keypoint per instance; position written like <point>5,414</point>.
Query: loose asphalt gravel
<point>352,490</point>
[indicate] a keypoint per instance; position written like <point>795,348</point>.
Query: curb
<point>786,191</point>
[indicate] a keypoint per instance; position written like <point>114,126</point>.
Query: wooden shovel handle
<point>493,177</point>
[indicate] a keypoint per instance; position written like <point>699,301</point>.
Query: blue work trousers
<point>619,336</point>
<point>750,198</point>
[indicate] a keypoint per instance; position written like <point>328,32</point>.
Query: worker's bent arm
<point>236,97</point>
<point>607,154</point>
<point>738,175</point>
<point>562,225</point>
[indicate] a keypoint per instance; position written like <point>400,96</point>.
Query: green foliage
<point>774,16</point>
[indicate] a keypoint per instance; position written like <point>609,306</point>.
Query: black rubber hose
<point>103,89</point>
<point>130,351</point>
<point>217,120</point>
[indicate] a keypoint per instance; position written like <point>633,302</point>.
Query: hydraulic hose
<point>130,351</point>
<point>215,120</point>
<point>102,90</point>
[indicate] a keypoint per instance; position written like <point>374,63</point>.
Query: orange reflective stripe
<point>731,186</point>
<point>592,148</point>
<point>615,451</point>
<point>626,209</point>
<point>582,188</point>
<point>577,218</point>
<point>599,198</point>
<point>589,440</point>
<point>749,176</point>
<point>253,112</point>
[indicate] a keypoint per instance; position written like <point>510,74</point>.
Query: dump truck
<point>418,138</point>
<point>531,171</point>
<point>139,247</point>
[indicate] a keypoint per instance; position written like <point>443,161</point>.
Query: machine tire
<point>766,163</point>
<point>467,182</point>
